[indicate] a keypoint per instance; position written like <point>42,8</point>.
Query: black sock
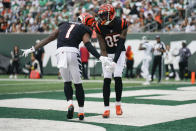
<point>106,91</point>
<point>80,94</point>
<point>68,91</point>
<point>118,88</point>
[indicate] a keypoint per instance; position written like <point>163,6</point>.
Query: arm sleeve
<point>120,46</point>
<point>92,50</point>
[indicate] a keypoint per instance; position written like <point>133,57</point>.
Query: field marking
<point>181,94</point>
<point>14,124</point>
<point>94,81</point>
<point>28,84</point>
<point>133,114</point>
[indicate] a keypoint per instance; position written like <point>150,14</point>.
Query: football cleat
<point>106,114</point>
<point>118,110</point>
<point>70,112</point>
<point>81,116</point>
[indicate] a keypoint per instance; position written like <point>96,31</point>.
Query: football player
<point>69,35</point>
<point>111,33</point>
<point>148,48</point>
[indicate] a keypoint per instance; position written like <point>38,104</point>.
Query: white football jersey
<point>148,49</point>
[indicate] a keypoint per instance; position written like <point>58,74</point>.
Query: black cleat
<point>81,116</point>
<point>70,112</point>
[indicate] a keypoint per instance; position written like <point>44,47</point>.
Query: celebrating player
<point>69,35</point>
<point>147,47</point>
<point>111,33</point>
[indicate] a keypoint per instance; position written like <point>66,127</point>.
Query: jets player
<point>69,35</point>
<point>147,47</point>
<point>111,33</point>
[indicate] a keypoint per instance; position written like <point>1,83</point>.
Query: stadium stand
<point>143,15</point>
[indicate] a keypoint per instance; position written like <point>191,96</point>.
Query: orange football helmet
<point>87,19</point>
<point>106,14</point>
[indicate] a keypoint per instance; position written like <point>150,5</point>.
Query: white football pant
<point>119,66</point>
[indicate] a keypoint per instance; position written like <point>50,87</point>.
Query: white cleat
<point>11,76</point>
<point>146,83</point>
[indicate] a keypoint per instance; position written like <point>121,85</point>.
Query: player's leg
<point>68,91</point>
<point>154,66</point>
<point>143,68</point>
<point>167,72</point>
<point>76,73</point>
<point>160,69</point>
<point>131,69</point>
<point>127,69</point>
<point>118,82</point>
<point>173,71</point>
<point>106,91</point>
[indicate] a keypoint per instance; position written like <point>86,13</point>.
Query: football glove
<point>26,52</point>
<point>105,60</point>
<point>111,67</point>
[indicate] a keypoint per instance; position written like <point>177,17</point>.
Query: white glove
<point>111,67</point>
<point>105,60</point>
<point>27,51</point>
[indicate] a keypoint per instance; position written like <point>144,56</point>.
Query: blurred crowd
<point>45,15</point>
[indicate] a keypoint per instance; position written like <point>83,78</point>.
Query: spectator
<point>84,59</point>
<point>168,60</point>
<point>39,55</point>
<point>158,19</point>
<point>15,57</point>
<point>130,62</point>
<point>184,54</point>
<point>34,68</point>
<point>159,49</point>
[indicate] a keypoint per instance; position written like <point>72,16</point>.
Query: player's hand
<point>27,51</point>
<point>111,67</point>
<point>105,60</point>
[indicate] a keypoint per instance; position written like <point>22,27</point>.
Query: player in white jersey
<point>147,47</point>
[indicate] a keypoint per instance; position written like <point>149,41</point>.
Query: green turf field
<point>167,106</point>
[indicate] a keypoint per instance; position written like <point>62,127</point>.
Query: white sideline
<point>92,81</point>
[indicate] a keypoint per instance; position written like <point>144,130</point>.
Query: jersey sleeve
<point>97,28</point>
<point>85,29</point>
<point>61,23</point>
<point>124,24</point>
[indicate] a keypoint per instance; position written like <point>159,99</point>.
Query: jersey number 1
<point>69,31</point>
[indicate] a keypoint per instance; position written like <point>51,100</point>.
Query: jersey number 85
<point>112,40</point>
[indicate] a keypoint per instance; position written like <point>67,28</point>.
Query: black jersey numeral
<point>69,30</point>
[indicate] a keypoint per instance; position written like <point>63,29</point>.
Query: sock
<point>107,108</point>
<point>106,91</point>
<point>118,103</point>
<point>118,88</point>
<point>70,102</point>
<point>81,110</point>
<point>80,94</point>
